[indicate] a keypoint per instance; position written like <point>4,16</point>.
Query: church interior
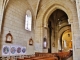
<point>39,30</point>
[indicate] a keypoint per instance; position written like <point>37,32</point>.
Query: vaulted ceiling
<point>59,16</point>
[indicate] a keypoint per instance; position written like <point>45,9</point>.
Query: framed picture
<point>31,41</point>
<point>9,38</point>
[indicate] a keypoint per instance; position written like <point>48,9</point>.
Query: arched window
<point>28,20</point>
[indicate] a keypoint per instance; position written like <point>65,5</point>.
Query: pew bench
<point>39,58</point>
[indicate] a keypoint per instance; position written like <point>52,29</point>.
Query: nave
<point>50,28</point>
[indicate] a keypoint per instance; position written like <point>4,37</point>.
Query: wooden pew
<point>46,55</point>
<point>63,55</point>
<point>23,59</point>
<point>59,55</point>
<point>41,56</point>
<point>45,58</point>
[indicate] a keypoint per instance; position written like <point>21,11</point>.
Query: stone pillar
<point>78,10</point>
<point>38,36</point>
<point>38,40</point>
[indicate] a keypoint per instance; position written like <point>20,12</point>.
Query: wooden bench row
<point>46,56</point>
<point>59,55</point>
<point>39,58</point>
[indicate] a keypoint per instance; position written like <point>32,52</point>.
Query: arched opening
<point>66,40</point>
<point>57,22</point>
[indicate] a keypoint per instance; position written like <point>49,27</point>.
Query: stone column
<point>78,10</point>
<point>38,36</point>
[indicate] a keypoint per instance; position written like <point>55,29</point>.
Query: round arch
<point>63,29</point>
<point>60,37</point>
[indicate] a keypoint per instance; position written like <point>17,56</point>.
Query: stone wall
<point>14,21</point>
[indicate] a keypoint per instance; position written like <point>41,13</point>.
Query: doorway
<point>57,22</point>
